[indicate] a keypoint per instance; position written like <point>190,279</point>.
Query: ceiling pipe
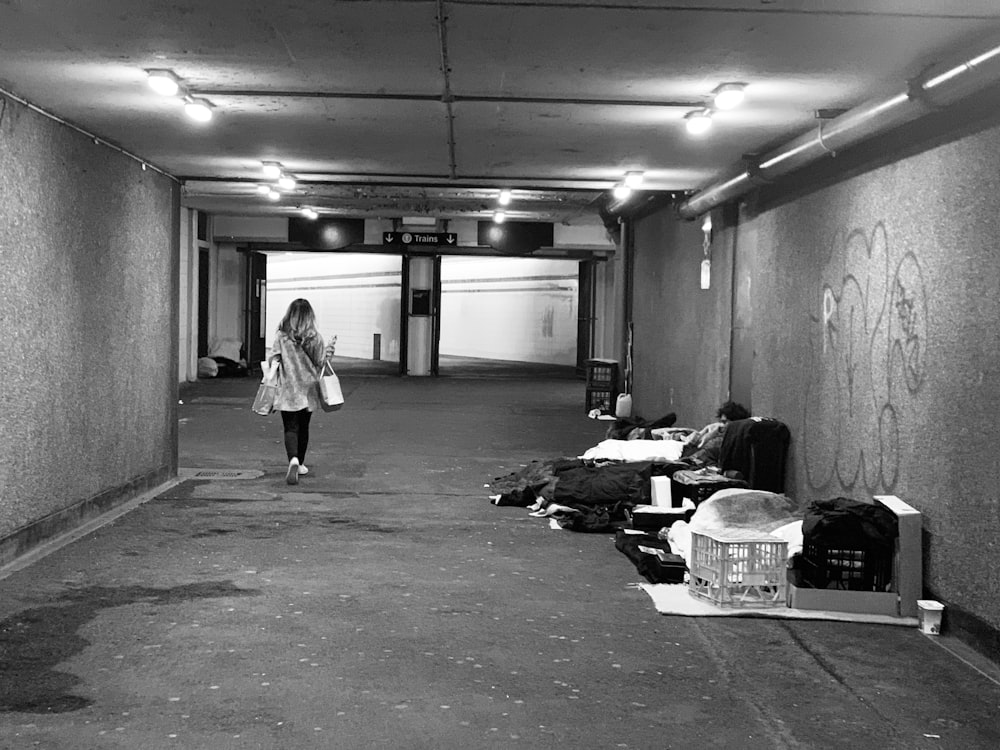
<point>466,98</point>
<point>938,87</point>
<point>446,97</point>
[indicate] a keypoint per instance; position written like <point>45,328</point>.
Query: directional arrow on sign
<point>419,238</point>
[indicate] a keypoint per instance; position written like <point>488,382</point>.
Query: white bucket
<point>929,613</point>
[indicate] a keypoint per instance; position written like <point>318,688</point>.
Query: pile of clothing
<point>580,494</point>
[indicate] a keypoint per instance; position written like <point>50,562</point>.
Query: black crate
<point>847,569</point>
<point>602,373</point>
<point>601,398</point>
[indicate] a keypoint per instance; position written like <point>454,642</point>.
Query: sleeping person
<point>705,444</point>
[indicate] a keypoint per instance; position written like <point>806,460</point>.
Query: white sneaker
<point>292,476</point>
<point>303,470</point>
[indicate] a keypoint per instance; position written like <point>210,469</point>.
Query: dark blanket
<point>841,522</point>
<point>535,480</point>
<point>230,369</point>
<point>604,484</point>
<point>756,448</point>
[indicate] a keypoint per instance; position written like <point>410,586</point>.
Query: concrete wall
<point>870,303</point>
<point>187,325</point>
<point>681,331</point>
<point>877,327</point>
<point>88,296</point>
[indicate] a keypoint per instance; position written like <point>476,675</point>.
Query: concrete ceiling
<point>393,108</point>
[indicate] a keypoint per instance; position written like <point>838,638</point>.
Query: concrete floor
<point>385,603</point>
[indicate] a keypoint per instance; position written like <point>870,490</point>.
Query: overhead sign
<point>419,238</point>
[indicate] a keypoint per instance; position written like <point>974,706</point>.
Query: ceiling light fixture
<point>698,121</point>
<point>729,95</point>
<point>308,213</point>
<point>199,110</point>
<point>271,169</point>
<point>273,195</point>
<point>504,198</point>
<point>499,217</point>
<point>286,182</point>
<point>633,179</point>
<point>163,82</point>
<point>263,189</point>
<point>621,191</point>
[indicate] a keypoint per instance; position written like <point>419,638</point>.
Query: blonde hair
<point>299,323</point>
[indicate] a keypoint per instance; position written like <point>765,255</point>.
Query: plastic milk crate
<point>602,373</point>
<point>739,568</point>
<point>601,398</point>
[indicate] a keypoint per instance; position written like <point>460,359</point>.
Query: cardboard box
<point>834,600</point>
<point>907,575</point>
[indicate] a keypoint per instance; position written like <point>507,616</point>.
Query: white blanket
<point>635,450</point>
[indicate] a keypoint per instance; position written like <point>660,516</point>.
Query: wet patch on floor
<point>273,525</point>
<point>212,532</point>
<point>353,524</point>
<point>35,641</point>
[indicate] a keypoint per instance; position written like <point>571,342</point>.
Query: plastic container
<point>929,614</point>
<point>623,406</point>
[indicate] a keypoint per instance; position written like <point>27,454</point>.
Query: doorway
<point>507,315</point>
<point>256,323</point>
<point>204,266</point>
<point>356,297</point>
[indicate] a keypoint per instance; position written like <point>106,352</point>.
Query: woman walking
<point>300,350</point>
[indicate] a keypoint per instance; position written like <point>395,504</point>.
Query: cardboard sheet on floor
<point>674,599</point>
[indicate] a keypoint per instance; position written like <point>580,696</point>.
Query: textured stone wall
<point>872,309</point>
<point>877,326</point>
<point>88,302</point>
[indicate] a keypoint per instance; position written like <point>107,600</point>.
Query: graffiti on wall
<point>868,337</point>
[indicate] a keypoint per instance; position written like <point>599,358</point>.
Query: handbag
<point>267,392</point>
<point>331,397</point>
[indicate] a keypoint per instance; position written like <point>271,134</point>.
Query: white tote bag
<point>331,398</point>
<point>267,391</point>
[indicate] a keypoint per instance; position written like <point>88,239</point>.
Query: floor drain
<point>219,473</point>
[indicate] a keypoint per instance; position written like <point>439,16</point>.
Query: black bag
<point>850,524</point>
<point>657,566</point>
<point>593,518</point>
